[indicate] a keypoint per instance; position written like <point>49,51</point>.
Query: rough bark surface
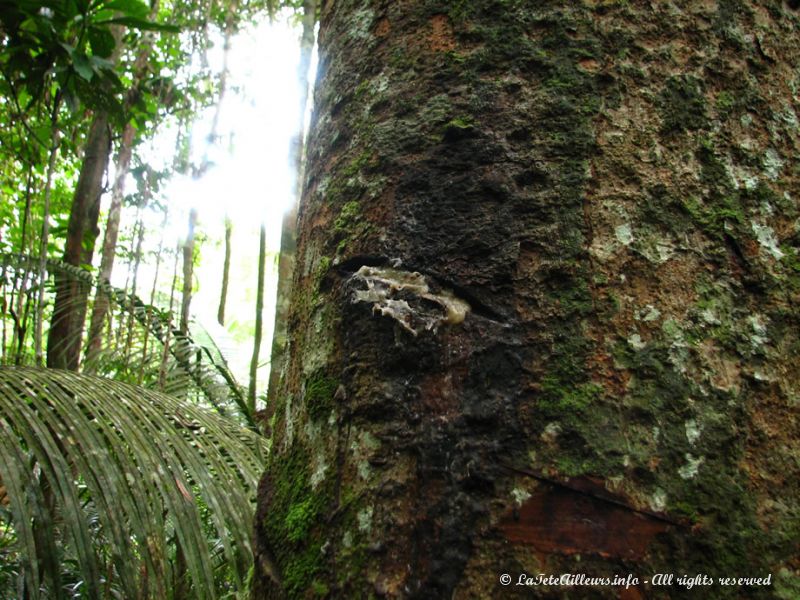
<point>545,312</point>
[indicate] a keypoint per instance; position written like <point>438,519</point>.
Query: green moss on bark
<point>292,522</point>
<point>683,105</point>
<point>319,396</point>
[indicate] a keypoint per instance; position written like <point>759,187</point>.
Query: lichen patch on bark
<point>390,290</point>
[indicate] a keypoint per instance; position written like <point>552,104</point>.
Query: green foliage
<point>62,62</point>
<point>103,496</point>
<point>195,367</point>
<point>65,44</point>
<point>110,478</point>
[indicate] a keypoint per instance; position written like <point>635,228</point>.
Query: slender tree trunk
<point>116,333</point>
<point>262,266</point>
<point>223,84</point>
<point>226,270</point>
<point>6,302</point>
<point>546,312</point>
<point>137,262</point>
<point>286,258</point>
<point>188,272</point>
<point>20,288</point>
<point>122,168</point>
<point>65,338</point>
<point>43,246</point>
<point>162,371</point>
<point>28,308</point>
<point>152,301</point>
<point>69,311</point>
<point>26,215</point>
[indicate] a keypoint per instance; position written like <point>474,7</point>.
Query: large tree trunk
<point>545,312</point>
<point>69,310</point>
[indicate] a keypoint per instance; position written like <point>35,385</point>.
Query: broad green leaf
<point>82,66</point>
<point>97,63</point>
<point>43,133</point>
<point>132,8</point>
<point>135,23</point>
<point>101,41</point>
<point>77,7</point>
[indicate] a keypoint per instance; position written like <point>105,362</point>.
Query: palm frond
<point>158,474</point>
<point>194,365</point>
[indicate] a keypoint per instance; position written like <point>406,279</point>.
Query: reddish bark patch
<point>440,38</point>
<point>583,517</point>
<point>383,27</point>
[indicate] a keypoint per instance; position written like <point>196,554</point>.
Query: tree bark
<point>69,310</point>
<point>138,236</point>
<point>169,334</point>
<point>545,311</point>
<point>286,258</point>
<point>152,302</point>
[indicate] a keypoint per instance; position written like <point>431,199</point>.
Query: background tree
<point>141,71</point>
<point>544,317</point>
<point>252,387</point>
<point>286,258</point>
